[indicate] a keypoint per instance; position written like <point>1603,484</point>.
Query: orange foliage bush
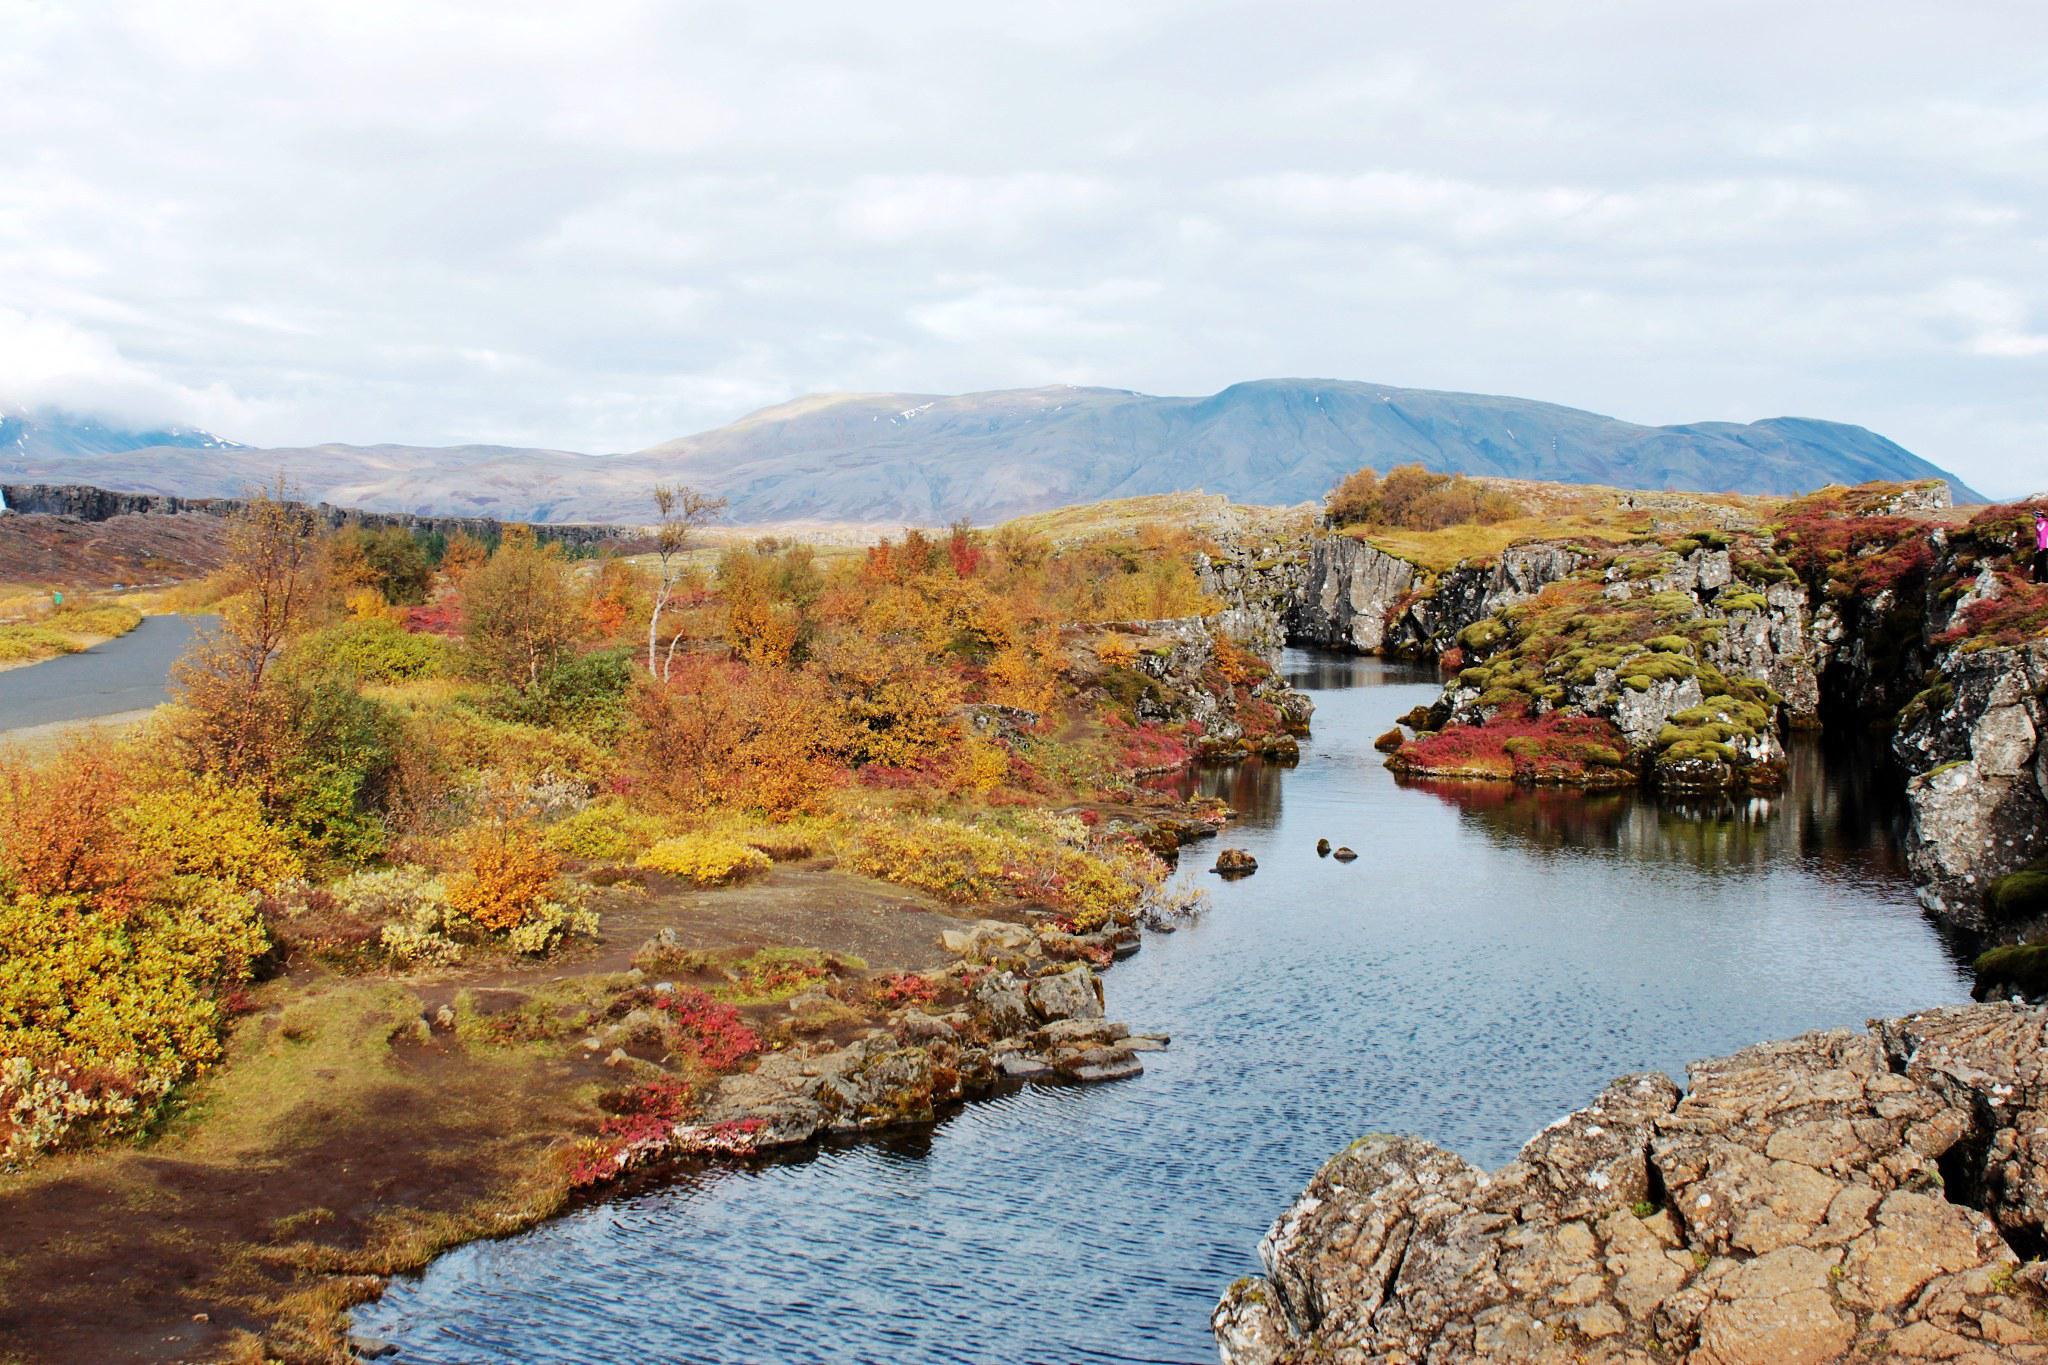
<point>722,732</point>
<point>511,874</point>
<point>59,837</point>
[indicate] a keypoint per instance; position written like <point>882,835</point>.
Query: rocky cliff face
<point>1352,595</point>
<point>1257,578</point>
<point>1978,794</point>
<point>1839,1196</point>
<point>1347,595</point>
<point>86,503</point>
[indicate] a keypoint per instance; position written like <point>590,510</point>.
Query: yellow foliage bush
<point>980,766</point>
<point>1117,651</point>
<point>510,877</point>
<point>707,859</point>
<point>205,828</point>
<point>123,924</point>
<point>607,830</point>
<point>1047,860</point>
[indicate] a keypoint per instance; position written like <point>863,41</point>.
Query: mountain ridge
<point>920,458</point>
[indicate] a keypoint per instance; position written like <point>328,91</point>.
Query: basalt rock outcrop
<point>1978,793</point>
<point>1841,1196</point>
<point>1176,675</point>
<point>1854,613</point>
<point>1348,595</point>
<point>1351,594</point>
<point>1032,1018</point>
<point>84,502</point>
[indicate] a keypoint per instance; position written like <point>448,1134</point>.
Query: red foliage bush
<point>2014,615</point>
<point>1149,745</point>
<point>906,988</point>
<point>443,618</point>
<point>1856,557</point>
<point>709,1032</point>
<point>646,1113</point>
<point>963,553</point>
<point>1548,748</point>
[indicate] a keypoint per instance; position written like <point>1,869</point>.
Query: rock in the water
<point>1390,741</point>
<point>1343,855</point>
<point>1839,1196</point>
<point>1235,862</point>
<point>1322,848</point>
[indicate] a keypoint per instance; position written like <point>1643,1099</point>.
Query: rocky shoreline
<point>1842,1195</point>
<point>1029,1015</point>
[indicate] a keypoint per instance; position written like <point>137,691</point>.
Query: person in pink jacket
<point>2041,546</point>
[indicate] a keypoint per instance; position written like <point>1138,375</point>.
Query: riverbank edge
<point>1061,1032</point>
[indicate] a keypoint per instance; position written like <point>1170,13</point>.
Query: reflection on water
<point>1492,958</point>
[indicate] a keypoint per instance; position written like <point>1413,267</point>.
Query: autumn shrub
<point>1848,557</point>
<point>466,740</point>
<point>2014,613</point>
<point>1116,651</point>
<point>899,709</point>
<point>979,766</point>
<point>638,1123</point>
<point>1050,860</point>
<point>1412,497</point>
<point>510,875</point>
<point>321,757</point>
<point>772,975</point>
<point>374,651</point>
<point>605,831</point>
<point>1551,748</point>
<point>410,907</point>
<point>585,694</point>
<point>119,947</point>
<point>25,643</point>
<point>721,733</point>
<point>1149,746</point>
<point>707,1033</point>
<point>904,989</point>
<point>83,616</point>
<point>706,859</point>
<point>520,613</point>
<point>204,828</point>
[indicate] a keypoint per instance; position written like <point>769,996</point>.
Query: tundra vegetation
<point>368,856</point>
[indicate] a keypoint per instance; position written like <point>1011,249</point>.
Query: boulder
<point>999,1005</point>
<point>1071,994</point>
<point>1235,862</point>
<point>986,938</point>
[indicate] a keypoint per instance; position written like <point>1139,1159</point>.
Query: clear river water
<point>1491,959</point>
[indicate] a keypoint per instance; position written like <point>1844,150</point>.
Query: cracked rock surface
<point>1841,1196</point>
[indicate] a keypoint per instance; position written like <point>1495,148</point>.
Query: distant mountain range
<point>928,459</point>
<point>47,433</point>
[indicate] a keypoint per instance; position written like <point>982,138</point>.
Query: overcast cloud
<point>602,224</point>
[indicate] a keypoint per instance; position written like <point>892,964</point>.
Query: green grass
<point>66,631</point>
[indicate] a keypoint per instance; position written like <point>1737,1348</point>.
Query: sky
<point>604,224</point>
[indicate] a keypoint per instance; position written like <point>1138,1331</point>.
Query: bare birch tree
<point>680,511</point>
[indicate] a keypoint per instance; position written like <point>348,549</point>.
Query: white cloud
<point>605,224</point>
